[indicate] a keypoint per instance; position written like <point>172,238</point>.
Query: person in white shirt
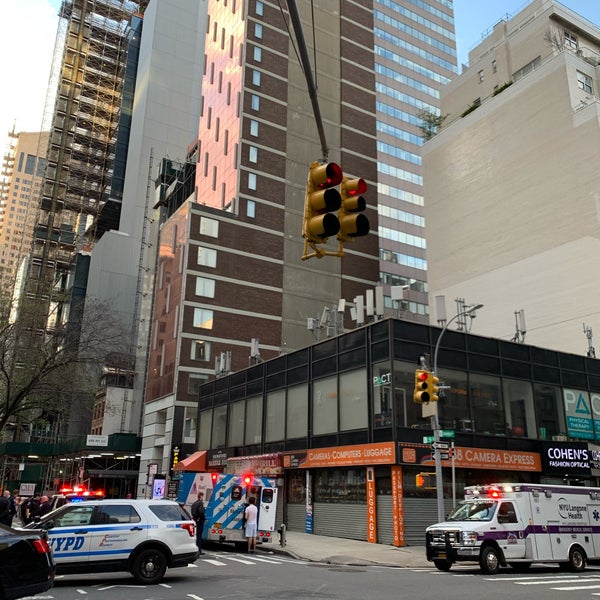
<point>251,514</point>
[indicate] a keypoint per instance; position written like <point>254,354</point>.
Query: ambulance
<point>226,497</point>
<point>518,525</point>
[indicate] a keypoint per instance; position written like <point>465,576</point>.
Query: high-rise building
<point>231,288</point>
<point>511,182</point>
<point>415,56</point>
<point>23,169</point>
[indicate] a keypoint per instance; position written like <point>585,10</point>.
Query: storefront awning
<point>195,462</point>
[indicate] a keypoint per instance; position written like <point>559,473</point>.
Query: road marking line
<point>578,580</point>
<point>218,563</point>
<point>266,560</point>
<point>241,560</point>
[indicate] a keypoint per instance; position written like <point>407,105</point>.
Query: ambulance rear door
<point>267,509</point>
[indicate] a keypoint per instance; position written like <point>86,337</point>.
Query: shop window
<point>296,487</point>
<point>236,423</point>
<point>353,404</point>
<point>275,416</point>
<point>297,411</point>
<point>340,486</point>
<point>254,420</point>
<point>520,413</point>
<point>325,406</point>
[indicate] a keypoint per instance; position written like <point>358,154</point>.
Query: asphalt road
<point>222,575</point>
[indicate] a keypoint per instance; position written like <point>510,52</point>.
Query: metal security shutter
<point>419,513</point>
<point>296,517</point>
<point>340,520</point>
<point>385,525</point>
<point>279,513</point>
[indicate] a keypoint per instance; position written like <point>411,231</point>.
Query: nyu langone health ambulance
<point>519,524</point>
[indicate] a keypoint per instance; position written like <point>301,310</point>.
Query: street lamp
<point>469,310</point>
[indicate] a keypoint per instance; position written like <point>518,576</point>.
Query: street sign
<point>427,439</point>
<point>444,455</point>
<point>447,433</point>
<point>440,445</point>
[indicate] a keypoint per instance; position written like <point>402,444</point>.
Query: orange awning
<point>194,462</point>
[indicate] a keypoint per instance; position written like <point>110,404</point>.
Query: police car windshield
<point>477,510</point>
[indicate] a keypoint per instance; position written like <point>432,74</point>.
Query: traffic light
<point>321,199</point>
<point>432,383</point>
<point>353,224</point>
<point>421,393</point>
<point>426,481</point>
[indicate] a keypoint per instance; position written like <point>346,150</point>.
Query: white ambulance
<point>519,524</point>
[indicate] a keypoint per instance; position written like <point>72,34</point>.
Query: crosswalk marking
<point>576,580</point>
<point>577,587</point>
<point>217,563</point>
<point>240,560</point>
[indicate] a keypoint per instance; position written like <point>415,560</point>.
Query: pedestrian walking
<point>31,507</point>
<point>199,515</point>
<point>251,514</point>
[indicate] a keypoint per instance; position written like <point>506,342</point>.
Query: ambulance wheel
<point>577,559</point>
<point>442,565</point>
<point>149,566</point>
<point>489,560</point>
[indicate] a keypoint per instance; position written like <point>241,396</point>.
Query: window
<point>255,102</point>
<point>353,400</point>
<point>219,426</point>
<point>236,423</point>
<point>253,128</point>
<point>258,30</point>
<point>256,78</point>
<point>195,381</point>
<point>209,227</point>
<point>200,352</point>
<point>584,82</point>
<point>297,411</point>
<point>275,417</point>
<point>205,287</point>
<point>207,257</point>
<point>528,68</point>
<point>252,181</point>
<point>494,66</point>
<point>570,40</point>
<point>253,420</point>
<point>260,8</point>
<point>124,513</point>
<point>253,154</point>
<point>30,164</point>
<point>250,209</point>
<point>325,406</point>
<point>480,74</point>
<point>257,54</point>
<point>203,318</point>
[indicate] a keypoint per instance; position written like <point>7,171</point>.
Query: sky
<point>26,57</point>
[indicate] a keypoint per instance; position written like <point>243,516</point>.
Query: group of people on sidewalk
<point>24,510</point>
<point>250,516</point>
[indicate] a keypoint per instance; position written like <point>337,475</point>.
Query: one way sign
<point>440,446</point>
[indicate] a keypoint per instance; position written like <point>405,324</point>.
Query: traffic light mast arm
<point>312,88</point>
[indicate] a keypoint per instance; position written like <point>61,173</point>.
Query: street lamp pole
<point>470,310</point>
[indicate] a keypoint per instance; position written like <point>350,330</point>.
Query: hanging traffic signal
<point>421,393</point>
<point>432,383</point>
<point>321,199</point>
<point>353,223</point>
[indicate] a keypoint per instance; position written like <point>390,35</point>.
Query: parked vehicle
<point>517,525</point>
<point>226,497</point>
<point>144,537</point>
<point>26,565</point>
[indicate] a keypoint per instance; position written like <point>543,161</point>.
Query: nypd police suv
<point>143,537</point>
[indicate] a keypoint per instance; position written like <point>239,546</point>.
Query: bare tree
<point>555,38</point>
<point>43,369</point>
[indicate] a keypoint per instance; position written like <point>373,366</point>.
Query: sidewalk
<point>340,551</point>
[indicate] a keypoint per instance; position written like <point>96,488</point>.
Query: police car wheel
<point>149,566</point>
